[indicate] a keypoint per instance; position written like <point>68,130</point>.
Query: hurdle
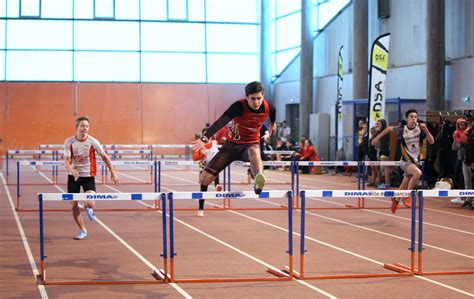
<point>265,163</point>
<point>354,193</point>
<point>10,154</point>
<point>227,183</point>
<point>151,168</point>
<point>240,195</point>
<point>186,147</point>
<point>421,195</point>
<point>328,164</point>
<point>54,181</point>
<point>61,197</point>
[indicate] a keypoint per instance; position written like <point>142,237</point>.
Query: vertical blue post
<point>290,223</point>
<point>296,164</point>
<point>364,173</point>
<point>420,222</point>
<point>170,198</point>
<point>292,178</point>
<point>224,179</point>
<point>18,179</point>
<point>413,221</point>
<point>163,218</point>
<point>303,215</point>
<point>358,175</point>
<point>228,177</point>
<point>155,178</point>
<point>159,175</point>
<point>41,223</point>
<point>6,161</point>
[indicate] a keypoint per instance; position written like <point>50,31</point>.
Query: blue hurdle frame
<point>280,275</point>
<point>404,272</point>
<point>161,277</point>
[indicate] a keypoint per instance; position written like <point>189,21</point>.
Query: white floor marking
<point>24,240</point>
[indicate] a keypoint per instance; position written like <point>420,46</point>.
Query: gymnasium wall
<point>36,113</point>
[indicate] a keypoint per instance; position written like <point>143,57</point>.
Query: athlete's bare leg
<point>256,164</point>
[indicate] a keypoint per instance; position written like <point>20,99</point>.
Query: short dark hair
<point>410,111</point>
<point>254,87</point>
<point>81,118</point>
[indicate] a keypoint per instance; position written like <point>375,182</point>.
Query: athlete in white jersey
<point>412,139</point>
<point>204,156</point>
<point>80,160</point>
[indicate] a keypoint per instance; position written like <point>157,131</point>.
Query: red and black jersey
<point>246,128</point>
<point>246,122</point>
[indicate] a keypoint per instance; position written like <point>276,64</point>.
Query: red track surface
<point>240,244</point>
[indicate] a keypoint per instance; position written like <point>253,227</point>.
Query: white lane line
<point>24,240</point>
<point>132,177</point>
<point>142,258</point>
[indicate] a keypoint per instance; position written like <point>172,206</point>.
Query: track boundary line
<point>26,245</point>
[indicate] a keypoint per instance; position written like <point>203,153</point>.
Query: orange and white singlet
<point>83,154</point>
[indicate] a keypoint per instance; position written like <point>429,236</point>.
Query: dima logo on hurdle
<point>98,196</point>
<point>231,195</point>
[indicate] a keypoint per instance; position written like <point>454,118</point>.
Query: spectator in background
<point>290,145</point>
<point>285,132</point>
<point>372,155</point>
<point>264,139</point>
<point>362,140</point>
<point>383,153</point>
<point>307,153</point>
<point>468,163</point>
<point>280,146</point>
<point>460,137</point>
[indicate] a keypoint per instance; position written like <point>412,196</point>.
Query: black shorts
<point>229,153</point>
<point>87,183</point>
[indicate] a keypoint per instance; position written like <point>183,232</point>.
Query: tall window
<point>200,41</point>
<point>286,28</point>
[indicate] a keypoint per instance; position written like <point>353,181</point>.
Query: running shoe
<point>82,234</point>
<point>259,183</point>
<point>219,188</point>
<point>394,206</point>
<point>200,213</point>
<point>90,214</point>
<point>457,200</point>
<point>407,202</point>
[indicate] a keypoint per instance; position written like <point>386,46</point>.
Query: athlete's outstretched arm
<point>236,109</point>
